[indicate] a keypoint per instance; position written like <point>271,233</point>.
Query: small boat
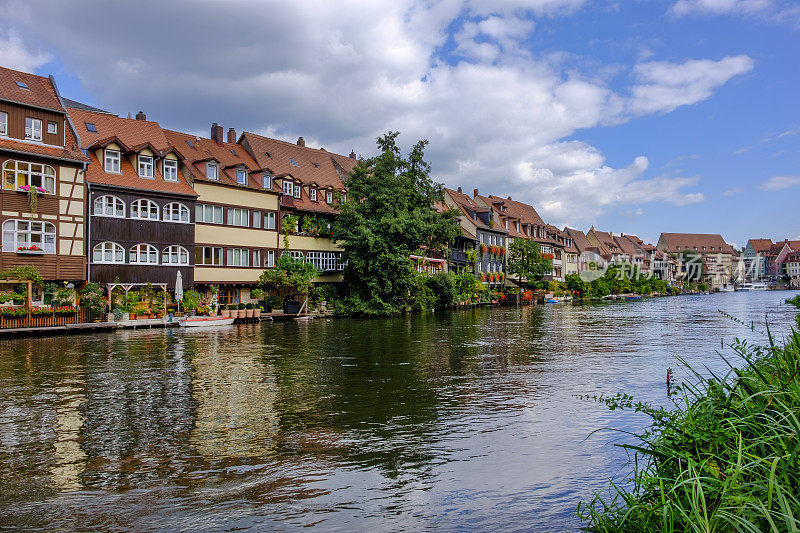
<point>196,321</point>
<point>727,288</point>
<point>551,301</point>
<point>756,286</point>
<point>632,298</point>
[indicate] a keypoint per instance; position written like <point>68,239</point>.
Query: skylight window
<point>22,85</point>
<point>91,127</point>
<point>234,152</point>
<point>268,154</point>
<point>191,145</point>
<point>316,165</point>
<point>293,162</point>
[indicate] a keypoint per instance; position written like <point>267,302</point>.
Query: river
<point>467,420</point>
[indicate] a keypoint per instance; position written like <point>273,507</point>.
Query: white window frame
<point>216,253</point>
<point>270,263</point>
<point>256,258</point>
<point>238,216</point>
<point>208,214</point>
<point>329,197</point>
<point>143,205</point>
<point>312,193</point>
<point>266,180</point>
<point>145,166</point>
<point>212,171</point>
<point>175,256</point>
<point>115,251</point>
<point>14,168</point>
<point>256,219</point>
<point>237,257</point>
<point>3,123</point>
<point>143,250</point>
<point>177,212</point>
<point>33,129</point>
<point>55,127</point>
<point>269,219</point>
<point>288,187</point>
<point>241,176</point>
<point>170,170</point>
<point>112,159</point>
<point>18,233</point>
<point>109,206</point>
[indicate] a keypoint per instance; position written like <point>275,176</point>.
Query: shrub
<point>93,297</point>
<point>443,288</point>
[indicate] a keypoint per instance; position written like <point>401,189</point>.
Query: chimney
<point>216,133</point>
<point>231,135</point>
<point>474,193</point>
<point>352,154</point>
<point>301,141</point>
<point>459,190</point>
<point>141,116</point>
<point>509,198</point>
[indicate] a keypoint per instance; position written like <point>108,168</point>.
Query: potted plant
<point>256,311</point>
<point>117,314</point>
<point>256,294</point>
<point>92,296</point>
<point>248,310</point>
<point>483,249</point>
<point>273,301</point>
<point>224,311</point>
<point>241,311</point>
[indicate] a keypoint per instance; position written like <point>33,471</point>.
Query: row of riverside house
<point>124,201</point>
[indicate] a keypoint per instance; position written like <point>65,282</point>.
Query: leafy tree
<point>576,285</point>
<point>390,217</point>
<point>444,289</point>
<point>526,261</point>
<point>468,286</point>
<point>289,276</point>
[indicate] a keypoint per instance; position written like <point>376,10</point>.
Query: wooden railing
<point>30,320</point>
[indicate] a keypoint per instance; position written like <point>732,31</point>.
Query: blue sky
<point>636,116</point>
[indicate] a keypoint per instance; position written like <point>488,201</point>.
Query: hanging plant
<point>483,249</point>
<point>33,197</point>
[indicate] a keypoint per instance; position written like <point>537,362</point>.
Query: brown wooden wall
<point>16,122</point>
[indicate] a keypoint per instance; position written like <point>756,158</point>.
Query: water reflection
<point>459,420</point>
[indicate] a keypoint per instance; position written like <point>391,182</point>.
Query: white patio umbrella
<point>179,287</point>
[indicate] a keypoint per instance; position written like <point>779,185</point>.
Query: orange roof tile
<point>713,242</point>
<point>40,91</point>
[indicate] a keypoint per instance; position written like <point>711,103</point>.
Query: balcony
<point>459,257</point>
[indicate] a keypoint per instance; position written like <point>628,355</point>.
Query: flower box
<point>32,250</point>
<point>27,188</point>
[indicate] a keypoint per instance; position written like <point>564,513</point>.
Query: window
<point>288,187</point>
<point>329,197</point>
<point>297,191</point>
<point>33,129</point>
<point>266,180</point>
<point>481,236</point>
<point>238,257</point>
<point>3,123</point>
<point>19,173</point>
<point>293,162</point>
<point>170,170</point>
<point>176,212</point>
<point>256,222</point>
<point>256,257</point>
<point>144,209</point>
<point>108,252</point>
<point>109,206</point>
<point>143,254</point>
<point>145,166</point>
<point>52,128</point>
<point>296,255</point>
<point>209,214</point>
<point>212,171</point>
<point>270,258</point>
<point>22,85</point>
<point>312,193</point>
<point>190,143</point>
<point>269,220</point>
<point>207,255</point>
<point>344,198</point>
<point>112,158</point>
<point>90,126</point>
<point>506,224</point>
<point>325,261</point>
<point>241,176</point>
<point>27,233</point>
<point>175,255</point>
<point>238,217</point>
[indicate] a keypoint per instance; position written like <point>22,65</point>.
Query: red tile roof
<point>469,208</point>
<point>713,242</point>
<point>760,245</point>
<point>580,240</point>
<point>70,153</point>
<point>40,91</point>
<point>525,212</point>
<point>130,132</point>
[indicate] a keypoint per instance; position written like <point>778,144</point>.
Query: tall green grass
<point>727,458</point>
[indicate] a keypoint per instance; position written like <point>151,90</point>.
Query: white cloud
<point>733,191</point>
<point>498,117</point>
<point>778,183</point>
<point>16,55</point>
<point>771,10</point>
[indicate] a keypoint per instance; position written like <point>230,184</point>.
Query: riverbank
<point>725,458</point>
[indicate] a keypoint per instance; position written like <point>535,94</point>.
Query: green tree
<point>526,261</point>
<point>289,276</point>
<point>576,285</point>
<point>389,218</point>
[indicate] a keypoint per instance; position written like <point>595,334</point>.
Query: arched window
<point>108,252</point>
<point>175,255</point>
<point>109,206</point>
<point>17,174</point>
<point>176,212</point>
<point>143,254</point>
<point>144,209</point>
<point>19,235</point>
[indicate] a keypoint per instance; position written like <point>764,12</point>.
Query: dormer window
<point>145,166</point>
<point>112,158</point>
<point>33,129</point>
<point>344,198</point>
<point>297,191</point>
<point>170,170</point>
<point>212,171</point>
<point>329,197</point>
<point>52,128</point>
<point>312,193</point>
<point>288,187</point>
<point>241,176</point>
<point>3,123</point>
<point>266,180</point>
<point>506,224</point>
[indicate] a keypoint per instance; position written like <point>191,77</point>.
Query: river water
<point>467,420</point>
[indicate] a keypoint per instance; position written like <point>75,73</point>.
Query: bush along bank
<point>727,458</point>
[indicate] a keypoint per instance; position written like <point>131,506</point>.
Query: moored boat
<point>633,297</point>
<point>727,288</point>
<point>196,321</point>
<point>756,286</point>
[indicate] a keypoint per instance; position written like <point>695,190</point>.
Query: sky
<point>634,116</point>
